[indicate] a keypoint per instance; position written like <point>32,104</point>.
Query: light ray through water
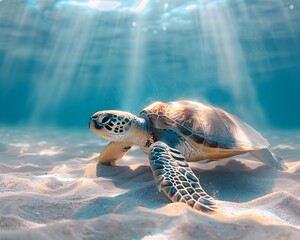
<point>132,92</point>
<point>90,54</point>
<point>232,70</point>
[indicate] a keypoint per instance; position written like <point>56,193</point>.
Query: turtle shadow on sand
<point>234,182</point>
<point>139,182</point>
<point>140,187</point>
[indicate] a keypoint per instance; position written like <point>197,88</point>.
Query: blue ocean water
<point>62,60</point>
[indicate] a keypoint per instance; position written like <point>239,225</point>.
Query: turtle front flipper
<point>176,179</point>
<point>113,152</point>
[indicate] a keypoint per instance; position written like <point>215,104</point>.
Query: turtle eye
<point>105,119</point>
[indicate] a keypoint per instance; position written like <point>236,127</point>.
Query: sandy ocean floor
<point>52,188</point>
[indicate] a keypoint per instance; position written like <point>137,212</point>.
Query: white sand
<point>51,188</point>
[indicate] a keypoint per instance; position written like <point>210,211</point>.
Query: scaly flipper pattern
<point>175,178</point>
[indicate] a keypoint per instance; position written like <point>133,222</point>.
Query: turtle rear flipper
<point>269,158</point>
<point>176,179</point>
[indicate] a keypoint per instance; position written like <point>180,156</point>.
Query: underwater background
<point>63,60</point>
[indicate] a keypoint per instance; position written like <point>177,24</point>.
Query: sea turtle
<point>175,133</point>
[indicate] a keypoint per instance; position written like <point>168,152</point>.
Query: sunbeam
<point>135,78</point>
<point>67,58</point>
<point>219,27</point>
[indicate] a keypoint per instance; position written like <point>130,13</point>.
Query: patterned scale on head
<point>110,122</point>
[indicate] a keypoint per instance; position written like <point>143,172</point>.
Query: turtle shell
<point>202,124</point>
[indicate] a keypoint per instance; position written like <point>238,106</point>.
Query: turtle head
<point>112,125</point>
